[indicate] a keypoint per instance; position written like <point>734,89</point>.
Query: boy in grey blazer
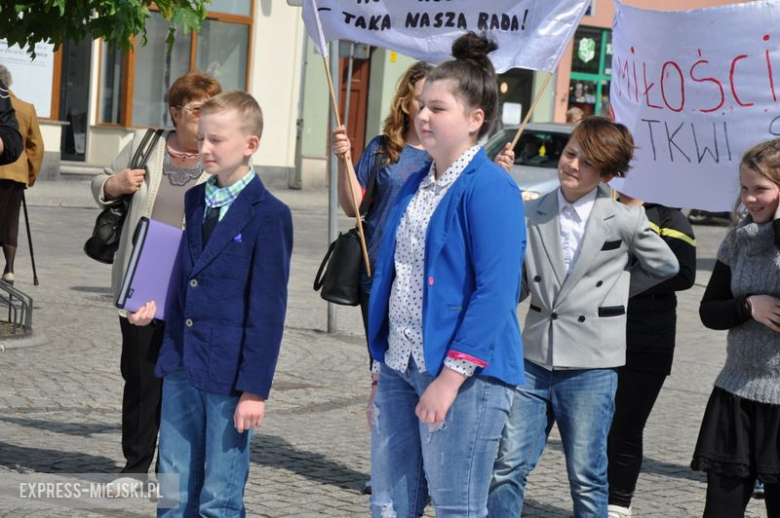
<point>586,255</point>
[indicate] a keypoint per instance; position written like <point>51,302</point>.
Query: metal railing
<point>17,306</point>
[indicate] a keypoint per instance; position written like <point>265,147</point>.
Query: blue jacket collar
<point>237,217</point>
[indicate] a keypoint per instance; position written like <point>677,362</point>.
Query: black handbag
<point>104,242</point>
<point>339,273</point>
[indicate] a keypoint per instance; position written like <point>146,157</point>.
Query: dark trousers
<point>142,394</point>
<point>636,394</point>
<point>727,497</point>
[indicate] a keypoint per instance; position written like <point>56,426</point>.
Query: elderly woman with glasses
<point>156,192</point>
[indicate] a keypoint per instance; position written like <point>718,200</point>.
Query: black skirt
<point>739,438</point>
<point>10,200</point>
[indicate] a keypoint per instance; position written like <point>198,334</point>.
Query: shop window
<point>134,85</point>
<point>591,71</point>
<point>515,87</point>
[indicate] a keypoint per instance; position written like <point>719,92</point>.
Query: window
<point>112,78</point>
<point>134,86</point>
<point>222,52</point>
<point>591,71</point>
<point>159,68</point>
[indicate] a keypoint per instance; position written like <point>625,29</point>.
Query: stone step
<point>79,170</point>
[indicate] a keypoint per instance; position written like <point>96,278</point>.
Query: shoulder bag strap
<point>134,162</point>
<point>151,143</point>
<point>318,280</point>
<point>365,205</point>
<point>142,154</point>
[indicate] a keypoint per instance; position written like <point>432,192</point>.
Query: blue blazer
<point>474,251</point>
<point>227,321</point>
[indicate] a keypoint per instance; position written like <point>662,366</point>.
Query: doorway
<point>74,98</point>
<point>358,102</point>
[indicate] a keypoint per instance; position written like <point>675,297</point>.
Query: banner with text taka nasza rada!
<point>697,89</point>
<point>531,34</point>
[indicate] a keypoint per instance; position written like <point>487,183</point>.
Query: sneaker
<point>124,487</point>
<point>616,511</point>
<point>758,490</point>
<point>367,487</point>
<point>9,278</point>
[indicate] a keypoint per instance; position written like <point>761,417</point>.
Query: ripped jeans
<point>451,462</point>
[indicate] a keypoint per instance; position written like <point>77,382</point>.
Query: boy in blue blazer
<point>225,327</point>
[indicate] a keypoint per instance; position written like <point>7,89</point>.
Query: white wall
<point>277,45</point>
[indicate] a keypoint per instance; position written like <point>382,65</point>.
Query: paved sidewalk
<point>61,399</point>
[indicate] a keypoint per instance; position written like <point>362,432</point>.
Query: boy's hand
<point>250,411</point>
<point>439,396</point>
<point>506,158</point>
<point>144,315</point>
<point>370,402</point>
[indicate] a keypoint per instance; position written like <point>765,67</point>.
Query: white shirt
<point>572,220</point>
<point>405,338</point>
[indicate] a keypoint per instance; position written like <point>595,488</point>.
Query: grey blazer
<point>579,320</point>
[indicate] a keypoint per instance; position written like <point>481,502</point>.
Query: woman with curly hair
<point>396,154</point>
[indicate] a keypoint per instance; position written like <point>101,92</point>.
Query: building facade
<point>92,98</point>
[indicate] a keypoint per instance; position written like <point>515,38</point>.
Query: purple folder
<point>153,268</point>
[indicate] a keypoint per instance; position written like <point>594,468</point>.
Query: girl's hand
<point>144,315</point>
<point>370,403</point>
<point>439,396</point>
<point>765,309</point>
<point>249,413</point>
<point>506,158</point>
<point>341,143</point>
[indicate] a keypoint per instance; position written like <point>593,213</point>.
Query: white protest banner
<point>531,34</point>
<point>697,89</point>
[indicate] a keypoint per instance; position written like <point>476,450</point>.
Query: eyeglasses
<point>194,110</point>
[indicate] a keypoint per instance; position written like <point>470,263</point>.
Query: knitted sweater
<point>752,369</point>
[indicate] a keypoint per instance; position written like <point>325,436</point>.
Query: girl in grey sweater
<point>740,431</point>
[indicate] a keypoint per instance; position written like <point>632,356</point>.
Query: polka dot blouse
<point>406,296</point>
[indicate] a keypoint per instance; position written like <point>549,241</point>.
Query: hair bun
<point>474,48</point>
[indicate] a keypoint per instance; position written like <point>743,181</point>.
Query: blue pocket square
<point>238,239</point>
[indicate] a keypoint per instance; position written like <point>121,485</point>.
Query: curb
<point>37,338</point>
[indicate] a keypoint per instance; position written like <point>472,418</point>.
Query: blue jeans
<point>582,402</point>
<point>199,442</point>
<point>452,462</point>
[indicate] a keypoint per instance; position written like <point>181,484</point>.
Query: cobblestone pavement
<point>60,392</point>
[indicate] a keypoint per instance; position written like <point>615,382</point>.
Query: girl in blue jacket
<point>442,316</point>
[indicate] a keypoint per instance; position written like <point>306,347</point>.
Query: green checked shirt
<point>225,196</point>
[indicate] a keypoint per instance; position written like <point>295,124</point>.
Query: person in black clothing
<point>11,144</point>
<point>650,340</point>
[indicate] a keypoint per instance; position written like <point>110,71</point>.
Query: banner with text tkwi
<point>697,89</point>
<point>531,34</point>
